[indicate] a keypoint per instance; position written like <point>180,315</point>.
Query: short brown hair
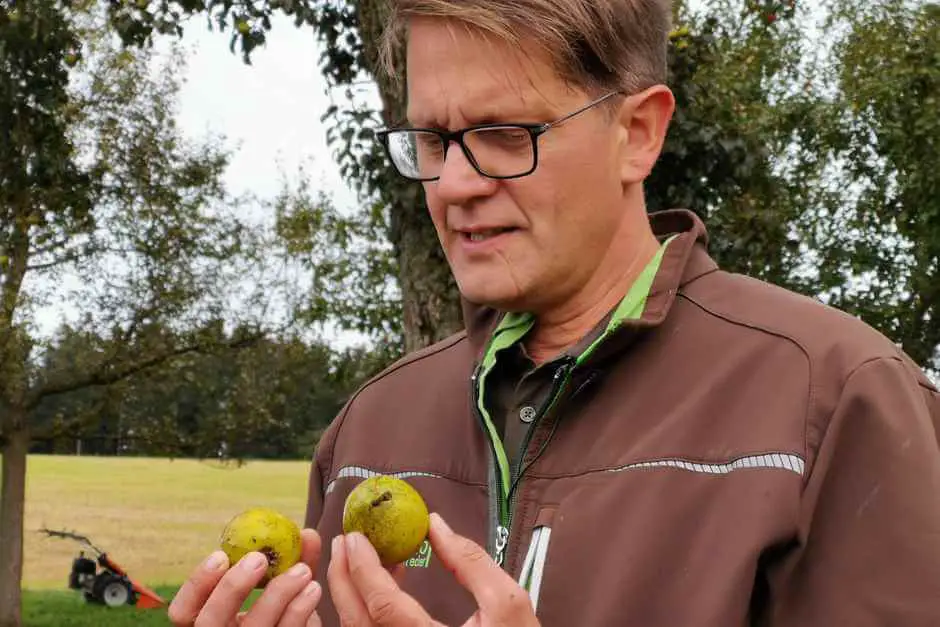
<point>596,44</point>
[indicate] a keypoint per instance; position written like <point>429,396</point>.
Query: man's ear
<point>645,118</point>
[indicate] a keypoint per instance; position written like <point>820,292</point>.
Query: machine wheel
<point>113,591</point>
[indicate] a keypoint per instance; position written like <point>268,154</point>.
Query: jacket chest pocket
<point>533,567</point>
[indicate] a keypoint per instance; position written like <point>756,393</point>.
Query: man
<point>624,434</point>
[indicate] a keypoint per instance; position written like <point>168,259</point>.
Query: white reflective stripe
<point>781,461</point>
<point>529,558</point>
<point>538,566</point>
<point>359,472</point>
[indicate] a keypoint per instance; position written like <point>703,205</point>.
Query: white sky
<point>270,111</point>
<point>268,114</point>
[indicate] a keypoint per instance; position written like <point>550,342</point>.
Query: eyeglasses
<point>499,151</point>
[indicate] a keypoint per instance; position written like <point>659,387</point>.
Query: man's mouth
<point>483,235</point>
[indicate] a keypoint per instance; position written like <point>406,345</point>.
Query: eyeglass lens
<point>497,151</point>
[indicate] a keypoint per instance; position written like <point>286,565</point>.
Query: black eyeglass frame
<point>447,137</point>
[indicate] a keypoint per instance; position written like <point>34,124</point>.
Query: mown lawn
<point>157,518</point>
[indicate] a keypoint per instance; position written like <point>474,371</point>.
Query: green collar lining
<point>514,326</point>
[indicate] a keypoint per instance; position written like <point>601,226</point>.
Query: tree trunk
<point>12,511</point>
<point>430,298</point>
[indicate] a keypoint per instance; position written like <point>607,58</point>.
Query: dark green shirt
<point>520,390</point>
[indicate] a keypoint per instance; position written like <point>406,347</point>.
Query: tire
<point>113,591</point>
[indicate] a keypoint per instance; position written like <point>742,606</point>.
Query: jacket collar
<point>686,259</point>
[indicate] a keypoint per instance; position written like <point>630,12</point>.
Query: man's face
<point>528,243</point>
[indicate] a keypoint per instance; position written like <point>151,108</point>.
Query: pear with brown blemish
<point>267,531</point>
<point>391,514</point>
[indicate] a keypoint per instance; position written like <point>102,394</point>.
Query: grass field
<point>157,518</point>
<point>57,608</point>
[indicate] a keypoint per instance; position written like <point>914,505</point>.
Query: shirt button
<point>527,414</point>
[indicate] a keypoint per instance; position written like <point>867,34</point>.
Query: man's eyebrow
<point>495,114</point>
<point>486,115</point>
<point>409,122</point>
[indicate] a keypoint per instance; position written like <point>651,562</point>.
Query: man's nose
<point>459,180</point>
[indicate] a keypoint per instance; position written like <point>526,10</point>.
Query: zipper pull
<point>502,539</point>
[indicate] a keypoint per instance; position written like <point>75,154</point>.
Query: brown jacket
<point>739,455</point>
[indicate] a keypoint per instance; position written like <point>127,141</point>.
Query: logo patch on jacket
<point>422,558</point>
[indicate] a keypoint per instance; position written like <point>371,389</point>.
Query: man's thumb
<point>469,562</point>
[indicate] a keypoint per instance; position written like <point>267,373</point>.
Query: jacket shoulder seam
<point>811,391</point>
<point>415,357</point>
<point>407,360</point>
<point>340,423</point>
<point>842,386</point>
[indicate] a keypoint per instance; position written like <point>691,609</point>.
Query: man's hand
<point>366,594</point>
<point>214,593</point>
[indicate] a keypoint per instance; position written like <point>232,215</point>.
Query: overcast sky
<point>270,111</point>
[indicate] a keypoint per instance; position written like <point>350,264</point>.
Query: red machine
<point>103,581</point>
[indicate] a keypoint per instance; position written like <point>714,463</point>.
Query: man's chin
<point>491,295</point>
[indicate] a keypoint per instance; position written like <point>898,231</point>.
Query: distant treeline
<point>271,399</point>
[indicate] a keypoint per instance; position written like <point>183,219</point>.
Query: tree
<point>349,266</point>
<point>108,213</point>
<point>731,69</point>
<point>269,400</point>
<point>43,195</point>
<point>879,249</point>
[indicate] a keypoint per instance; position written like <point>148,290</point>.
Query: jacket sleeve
<point>320,472</point>
<point>869,539</point>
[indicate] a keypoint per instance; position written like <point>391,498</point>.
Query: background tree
<point>269,400</point>
<point>732,67</point>
<point>877,238</point>
<point>43,194</point>
<point>106,213</point>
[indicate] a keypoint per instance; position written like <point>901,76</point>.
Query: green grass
<point>55,608</point>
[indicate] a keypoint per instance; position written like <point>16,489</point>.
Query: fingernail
<point>254,561</point>
<point>337,544</point>
<point>439,522</point>
<point>298,570</point>
<point>352,543</point>
<point>313,588</point>
<point>215,561</point>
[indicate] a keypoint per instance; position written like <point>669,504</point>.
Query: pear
<point>267,531</point>
<point>391,514</point>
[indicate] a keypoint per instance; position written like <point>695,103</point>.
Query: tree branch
<point>102,378</point>
<point>56,262</point>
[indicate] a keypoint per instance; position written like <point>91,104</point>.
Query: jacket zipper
<point>501,532</point>
<point>505,530</point>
